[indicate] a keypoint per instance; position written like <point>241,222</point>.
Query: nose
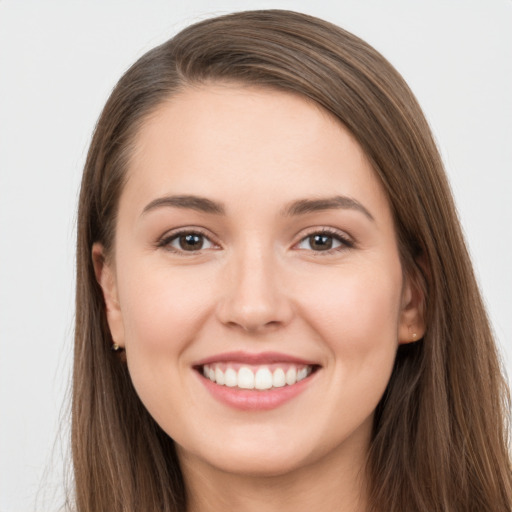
<point>253,297</point>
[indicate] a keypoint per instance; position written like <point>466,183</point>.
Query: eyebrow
<point>296,208</point>
<point>305,206</point>
<point>200,204</point>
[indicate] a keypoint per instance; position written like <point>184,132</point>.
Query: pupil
<point>321,242</point>
<point>191,242</point>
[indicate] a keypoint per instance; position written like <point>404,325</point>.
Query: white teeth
<point>245,378</point>
<point>261,378</point>
<point>219,376</point>
<point>230,378</point>
<point>291,376</point>
<point>278,378</point>
<point>302,374</point>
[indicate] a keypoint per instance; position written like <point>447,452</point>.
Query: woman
<point>275,306</point>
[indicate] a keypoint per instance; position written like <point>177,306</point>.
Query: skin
<point>258,284</point>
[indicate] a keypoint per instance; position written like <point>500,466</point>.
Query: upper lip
<point>253,358</point>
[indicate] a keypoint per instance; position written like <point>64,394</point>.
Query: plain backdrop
<point>58,62</point>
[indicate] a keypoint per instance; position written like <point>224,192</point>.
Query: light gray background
<point>58,62</point>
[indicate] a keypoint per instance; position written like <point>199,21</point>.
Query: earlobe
<point>412,315</point>
<point>106,278</point>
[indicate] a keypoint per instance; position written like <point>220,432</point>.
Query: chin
<point>257,463</point>
<point>263,451</point>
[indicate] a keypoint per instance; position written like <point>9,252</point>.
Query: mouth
<point>256,377</point>
<point>255,381</point>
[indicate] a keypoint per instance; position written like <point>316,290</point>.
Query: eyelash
<point>344,241</point>
<point>166,241</point>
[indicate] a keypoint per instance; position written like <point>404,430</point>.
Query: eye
<point>187,241</point>
<point>324,241</point>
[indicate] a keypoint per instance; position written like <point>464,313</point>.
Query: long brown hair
<point>440,433</point>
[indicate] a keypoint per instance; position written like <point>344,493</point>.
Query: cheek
<point>154,297</point>
<point>162,312</point>
<point>357,319</point>
<point>356,314</point>
<point>355,301</point>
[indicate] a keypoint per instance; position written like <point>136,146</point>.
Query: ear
<point>412,314</point>
<point>105,275</point>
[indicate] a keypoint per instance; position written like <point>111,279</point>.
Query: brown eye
<point>320,242</point>
<point>191,242</point>
<point>187,242</point>
<point>324,242</point>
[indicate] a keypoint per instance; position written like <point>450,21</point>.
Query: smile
<point>255,382</point>
<point>259,378</point>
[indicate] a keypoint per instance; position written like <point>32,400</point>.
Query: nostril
<point>255,318</point>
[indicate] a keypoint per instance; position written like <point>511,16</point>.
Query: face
<point>256,283</point>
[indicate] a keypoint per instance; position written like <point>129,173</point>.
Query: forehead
<point>229,114</point>
<point>239,141</point>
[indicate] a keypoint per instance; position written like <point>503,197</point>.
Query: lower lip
<point>254,400</point>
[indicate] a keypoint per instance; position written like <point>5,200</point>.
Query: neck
<point>337,482</point>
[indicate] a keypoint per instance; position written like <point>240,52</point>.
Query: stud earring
<point>115,347</point>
